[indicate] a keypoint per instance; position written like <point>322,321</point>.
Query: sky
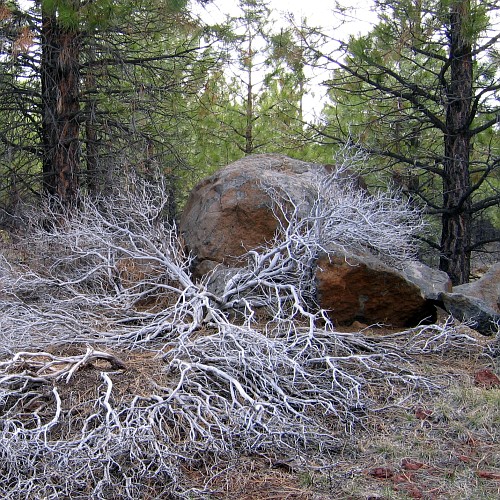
<point>317,12</point>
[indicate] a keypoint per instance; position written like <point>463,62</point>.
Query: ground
<point>444,447</point>
<point>437,445</point>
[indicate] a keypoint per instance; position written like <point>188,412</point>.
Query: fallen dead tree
<point>231,392</point>
<point>116,272</point>
<point>165,375</point>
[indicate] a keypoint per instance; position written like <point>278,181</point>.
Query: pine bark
<point>60,77</point>
<point>456,220</point>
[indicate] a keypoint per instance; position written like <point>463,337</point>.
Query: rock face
<point>477,302</point>
<point>431,282</point>
<point>231,211</point>
<point>480,315</point>
<point>486,289</point>
<point>359,287</point>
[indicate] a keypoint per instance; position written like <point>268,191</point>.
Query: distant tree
<point>141,76</point>
<point>252,101</point>
<point>18,100</point>
<point>100,86</point>
<point>420,91</point>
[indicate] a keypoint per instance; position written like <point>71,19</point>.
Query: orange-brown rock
<point>230,212</point>
<point>360,287</point>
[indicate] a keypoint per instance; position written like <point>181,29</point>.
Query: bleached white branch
<point>114,275</point>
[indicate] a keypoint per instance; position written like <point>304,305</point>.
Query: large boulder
<point>230,212</point>
<point>356,286</point>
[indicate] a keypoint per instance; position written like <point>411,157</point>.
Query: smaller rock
<point>219,277</point>
<point>465,308</point>
<point>486,289</point>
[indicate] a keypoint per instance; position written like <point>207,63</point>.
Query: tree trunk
<point>60,75</point>
<point>456,221</point>
<point>249,111</point>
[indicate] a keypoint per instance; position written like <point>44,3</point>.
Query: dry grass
<point>444,446</point>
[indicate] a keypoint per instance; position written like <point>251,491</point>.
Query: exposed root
<point>232,392</point>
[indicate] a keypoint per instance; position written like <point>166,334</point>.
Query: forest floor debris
<point>432,444</point>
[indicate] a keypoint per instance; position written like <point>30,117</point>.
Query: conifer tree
<point>419,91</point>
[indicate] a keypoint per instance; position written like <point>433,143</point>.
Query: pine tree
<point>419,91</point>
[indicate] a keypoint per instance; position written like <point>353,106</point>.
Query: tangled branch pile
<point>119,373</point>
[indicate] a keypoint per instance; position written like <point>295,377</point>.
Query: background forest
<point>92,91</point>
